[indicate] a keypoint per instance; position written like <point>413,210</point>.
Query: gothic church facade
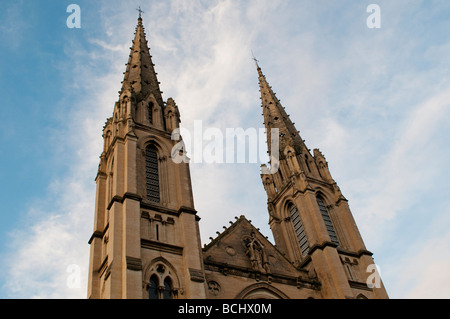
<point>146,239</point>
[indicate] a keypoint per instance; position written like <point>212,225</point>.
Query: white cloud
<point>43,251</point>
<point>408,170</point>
<point>428,271</point>
<point>55,231</point>
<point>421,271</point>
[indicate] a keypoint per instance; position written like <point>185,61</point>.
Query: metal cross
<point>256,61</point>
<point>140,12</point>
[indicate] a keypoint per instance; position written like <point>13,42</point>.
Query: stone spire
<point>140,72</point>
<point>275,116</point>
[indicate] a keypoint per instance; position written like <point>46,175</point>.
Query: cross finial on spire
<point>254,59</point>
<point>140,12</point>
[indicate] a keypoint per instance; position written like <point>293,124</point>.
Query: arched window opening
<point>299,229</point>
<point>167,294</point>
<point>163,281</point>
<point>150,112</point>
<point>152,174</point>
<point>153,288</point>
<point>327,220</point>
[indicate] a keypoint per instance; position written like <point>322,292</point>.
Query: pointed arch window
<point>327,220</point>
<point>157,292</point>
<point>152,174</point>
<point>150,112</point>
<point>153,288</point>
<point>167,294</point>
<point>161,283</point>
<point>299,229</point>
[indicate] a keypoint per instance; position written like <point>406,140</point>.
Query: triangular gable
<point>243,247</point>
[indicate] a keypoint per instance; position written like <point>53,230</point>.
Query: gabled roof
<point>243,249</point>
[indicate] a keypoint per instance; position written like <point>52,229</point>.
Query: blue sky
<point>375,101</point>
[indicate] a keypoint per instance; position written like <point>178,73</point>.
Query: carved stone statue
<point>255,251</point>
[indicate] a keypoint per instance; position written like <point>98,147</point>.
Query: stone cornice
<point>98,234</point>
<point>227,269</point>
<point>322,246</point>
<point>121,199</point>
<point>162,247</point>
<point>153,130</point>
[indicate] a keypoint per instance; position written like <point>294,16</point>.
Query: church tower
<point>146,241</point>
<point>309,217</point>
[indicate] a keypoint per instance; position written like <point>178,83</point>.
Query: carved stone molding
<point>214,288</point>
<point>196,275</point>
<point>134,263</point>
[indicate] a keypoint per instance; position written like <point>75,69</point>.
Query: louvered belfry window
<point>299,229</point>
<point>152,174</point>
<point>327,220</point>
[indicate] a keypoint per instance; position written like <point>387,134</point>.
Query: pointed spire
<point>276,117</point>
<point>140,72</point>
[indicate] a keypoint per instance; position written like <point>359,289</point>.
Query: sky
<point>375,101</point>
